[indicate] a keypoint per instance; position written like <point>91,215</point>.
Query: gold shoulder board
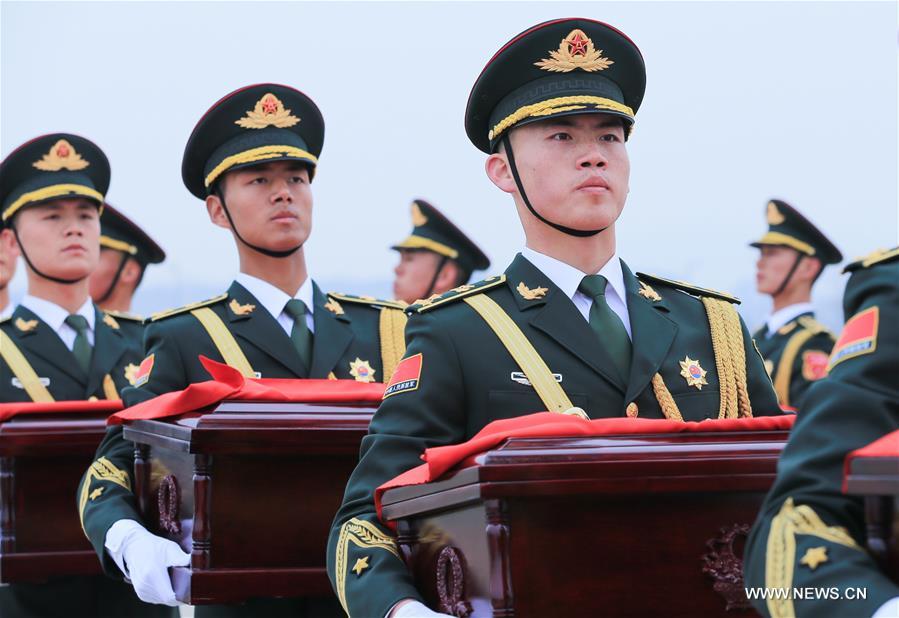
<point>203,303</point>
<point>689,288</point>
<point>877,257</point>
<point>367,300</point>
<point>124,315</point>
<point>812,324</point>
<point>420,306</point>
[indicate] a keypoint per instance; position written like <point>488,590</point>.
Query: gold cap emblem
<point>692,372</point>
<point>576,51</point>
<point>774,215</point>
<point>62,155</point>
<point>269,111</point>
<point>418,217</point>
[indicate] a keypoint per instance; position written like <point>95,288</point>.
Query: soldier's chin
<point>70,273</point>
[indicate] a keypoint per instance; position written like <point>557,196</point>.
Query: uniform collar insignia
<point>62,155</point>
<point>692,372</point>
<point>110,322</point>
<point>529,294</point>
<point>26,326</point>
<point>648,292</point>
<point>576,51</point>
<point>269,111</point>
<point>334,307</point>
<point>239,309</point>
<point>424,302</point>
<point>361,370</point>
<point>814,556</point>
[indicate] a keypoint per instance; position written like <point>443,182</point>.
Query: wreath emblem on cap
<point>269,111</point>
<point>62,155</point>
<point>576,51</point>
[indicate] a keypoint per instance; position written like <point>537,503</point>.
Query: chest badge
<point>529,294</point>
<point>692,372</point>
<point>362,371</point>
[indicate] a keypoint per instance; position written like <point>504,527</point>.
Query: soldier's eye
<point>610,137</point>
<point>560,137</point>
<point>298,179</point>
<point>258,181</point>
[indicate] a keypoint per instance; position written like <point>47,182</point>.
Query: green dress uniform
<point>809,534</point>
<point>36,365</point>
<point>352,337</point>
<point>796,354</point>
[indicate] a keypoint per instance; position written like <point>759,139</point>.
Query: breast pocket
<point>509,403</point>
<point>699,405</point>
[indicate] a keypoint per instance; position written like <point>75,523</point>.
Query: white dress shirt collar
<point>271,297</point>
<point>781,317</point>
<point>55,316</point>
<point>567,278</point>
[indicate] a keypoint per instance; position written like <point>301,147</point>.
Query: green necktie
<point>299,334</point>
<point>606,323</point>
<point>82,347</point>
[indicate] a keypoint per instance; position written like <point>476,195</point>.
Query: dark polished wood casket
<point>877,479</point>
<point>630,525</point>
<point>250,490</point>
<point>42,458</point>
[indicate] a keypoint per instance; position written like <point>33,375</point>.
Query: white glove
<point>145,559</point>
<point>414,609</point>
<point>890,609</point>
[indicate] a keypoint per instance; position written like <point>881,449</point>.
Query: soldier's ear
<point>499,172</point>
<point>8,242</point>
<point>216,211</point>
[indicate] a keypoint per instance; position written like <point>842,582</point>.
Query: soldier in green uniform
<point>9,254</point>
<point>795,346</point>
<point>58,345</point>
<point>435,257</point>
<point>251,158</point>
<point>125,252</point>
<point>568,327</point>
<point>809,534</point>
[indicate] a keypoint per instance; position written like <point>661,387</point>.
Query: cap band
<point>777,238</point>
<point>257,154</point>
<point>420,242</point>
<point>555,106</point>
<point>118,245</point>
<point>48,193</point>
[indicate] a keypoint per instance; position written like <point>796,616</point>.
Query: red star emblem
<point>269,106</point>
<point>577,45</point>
<point>62,151</point>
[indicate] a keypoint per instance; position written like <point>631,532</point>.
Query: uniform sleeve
<point>105,494</point>
<point>364,562</point>
<point>808,533</point>
<point>762,397</point>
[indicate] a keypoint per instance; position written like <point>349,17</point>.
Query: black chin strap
<point>34,268</point>
<point>115,280</point>
<point>262,250</point>
<point>565,230</point>
<point>789,276</point>
<point>440,266</point>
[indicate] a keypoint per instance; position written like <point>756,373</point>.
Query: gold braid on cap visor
<point>776,238</point>
<point>53,191</point>
<point>257,154</point>
<point>118,245</point>
<point>556,106</point>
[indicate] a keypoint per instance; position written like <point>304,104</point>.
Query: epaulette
<point>877,257</point>
<point>170,312</point>
<point>420,306</point>
<point>811,324</point>
<point>690,288</point>
<point>124,315</point>
<point>367,300</point>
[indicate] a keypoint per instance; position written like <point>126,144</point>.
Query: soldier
<point>795,346</point>
<point>58,345</point>
<point>809,534</point>
<point>9,254</point>
<point>436,257</point>
<point>125,252</point>
<point>568,327</point>
<point>251,158</point>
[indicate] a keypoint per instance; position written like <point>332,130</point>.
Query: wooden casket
<point>250,490</point>
<point>877,479</point>
<point>42,458</point>
<point>648,525</point>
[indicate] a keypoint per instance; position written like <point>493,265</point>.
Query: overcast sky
<point>744,101</point>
